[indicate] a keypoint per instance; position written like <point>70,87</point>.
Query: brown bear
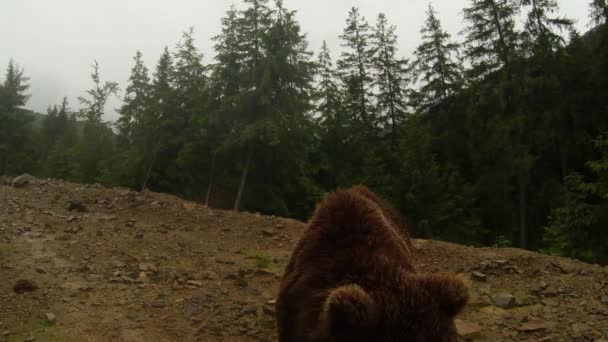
<point>387,209</point>
<point>350,278</point>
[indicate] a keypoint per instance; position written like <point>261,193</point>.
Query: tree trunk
<point>149,171</point>
<point>523,227</point>
<point>208,195</point>
<point>239,194</point>
<point>563,158</point>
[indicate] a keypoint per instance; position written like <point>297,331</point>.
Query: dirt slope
<point>115,265</point>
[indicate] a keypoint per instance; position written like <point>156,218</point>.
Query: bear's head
<point>412,307</point>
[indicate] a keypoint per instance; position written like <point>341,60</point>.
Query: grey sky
<point>56,41</point>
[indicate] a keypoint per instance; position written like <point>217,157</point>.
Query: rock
<point>22,180</point>
<point>6,333</point>
<point>23,286</point>
<point>479,276</point>
<point>147,267</point>
<point>139,235</point>
<point>268,232</point>
<point>30,339</point>
<point>195,283</point>
<point>532,327</point>
<point>604,299</point>
<point>466,329</point>
<point>504,300</point>
<point>50,317</point>
<point>74,205</point>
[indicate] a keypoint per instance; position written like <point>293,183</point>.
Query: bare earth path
<point>116,265</point>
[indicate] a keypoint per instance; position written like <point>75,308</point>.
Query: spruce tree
<point>436,66</point>
<point>354,67</point>
<point>16,149</point>
<point>490,36</point>
<point>95,146</point>
<point>136,100</point>
<point>599,11</point>
<point>160,168</point>
<point>254,22</point>
<point>390,78</point>
<point>540,34</point>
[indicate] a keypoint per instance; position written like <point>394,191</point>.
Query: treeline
<point>499,139</point>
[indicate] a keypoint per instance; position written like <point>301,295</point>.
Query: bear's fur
<point>350,278</point>
<point>387,209</point>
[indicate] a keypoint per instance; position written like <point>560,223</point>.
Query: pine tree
<point>136,100</point>
<point>287,88</point>
<point>390,78</point>
<point>191,96</point>
<point>16,149</point>
<point>163,105</point>
<point>254,22</point>
<point>332,122</point>
<point>539,31</point>
<point>599,11</point>
<point>136,130</point>
<point>499,121</point>
<point>94,106</point>
<point>58,135</point>
<point>354,68</point>
<point>96,145</point>
<point>436,65</point>
<point>491,38</point>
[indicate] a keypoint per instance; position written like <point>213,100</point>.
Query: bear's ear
<point>346,310</point>
<point>448,290</point>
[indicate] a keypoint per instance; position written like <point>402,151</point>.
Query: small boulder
<point>467,329</point>
<point>479,276</point>
<point>504,300</point>
<point>74,205</point>
<point>22,180</point>
<point>50,317</point>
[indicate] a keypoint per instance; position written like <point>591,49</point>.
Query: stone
<point>268,232</point>
<point>504,300</point>
<point>467,329</point>
<point>50,317</point>
<point>479,276</point>
<point>195,283</point>
<point>30,339</point>
<point>532,327</point>
<point>74,205</point>
<point>22,180</point>
<point>604,299</point>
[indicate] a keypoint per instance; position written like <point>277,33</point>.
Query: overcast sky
<point>56,41</point>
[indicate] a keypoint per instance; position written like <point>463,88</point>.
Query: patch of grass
<point>262,261</point>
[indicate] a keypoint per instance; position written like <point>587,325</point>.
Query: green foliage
<point>577,228</point>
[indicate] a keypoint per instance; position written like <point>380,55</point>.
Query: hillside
<point>117,265</point>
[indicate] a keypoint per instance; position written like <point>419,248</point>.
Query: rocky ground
<point>86,263</point>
